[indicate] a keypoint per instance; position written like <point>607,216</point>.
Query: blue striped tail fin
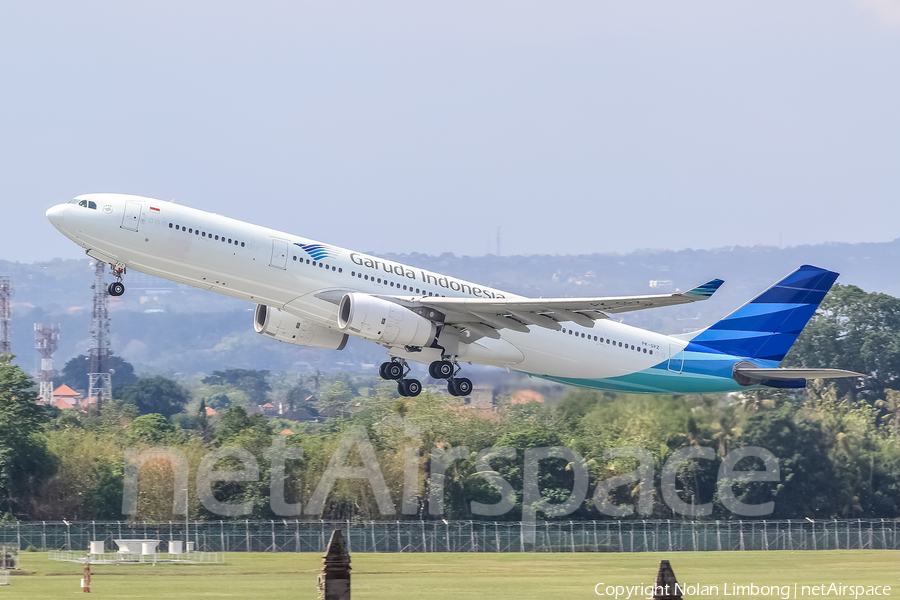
<point>766,327</point>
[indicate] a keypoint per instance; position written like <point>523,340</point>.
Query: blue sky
<point>575,127</point>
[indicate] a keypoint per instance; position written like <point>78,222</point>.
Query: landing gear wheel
<point>391,371</point>
<point>460,387</point>
<point>116,288</point>
<point>394,371</point>
<point>409,387</point>
<point>441,369</point>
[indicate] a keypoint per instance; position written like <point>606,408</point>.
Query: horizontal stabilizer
<point>759,374</point>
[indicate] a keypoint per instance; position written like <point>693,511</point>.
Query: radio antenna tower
<point>45,340</point>
<point>100,381</point>
<point>5,315</point>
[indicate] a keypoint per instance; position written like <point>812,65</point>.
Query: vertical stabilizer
<point>766,327</point>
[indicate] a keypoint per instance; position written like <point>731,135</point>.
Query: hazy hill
<point>167,328</point>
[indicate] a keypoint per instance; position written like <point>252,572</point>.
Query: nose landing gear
<point>117,288</point>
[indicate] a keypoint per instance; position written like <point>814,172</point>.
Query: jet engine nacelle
<point>384,321</point>
<point>285,327</point>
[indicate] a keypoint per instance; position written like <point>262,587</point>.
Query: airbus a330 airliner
<point>314,294</point>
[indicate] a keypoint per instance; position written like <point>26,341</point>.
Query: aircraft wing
<point>484,316</point>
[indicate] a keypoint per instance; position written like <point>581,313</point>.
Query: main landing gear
<point>117,288</point>
<point>449,369</point>
<point>397,370</point>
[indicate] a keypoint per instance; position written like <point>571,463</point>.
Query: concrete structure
<point>45,341</point>
<point>99,376</point>
<point>86,580</point>
<point>334,581</point>
<point>136,547</point>
<point>666,587</point>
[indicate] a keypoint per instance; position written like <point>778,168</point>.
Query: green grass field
<point>422,576</point>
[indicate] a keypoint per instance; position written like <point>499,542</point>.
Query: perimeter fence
<point>467,536</point>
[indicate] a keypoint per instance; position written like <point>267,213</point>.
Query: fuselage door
<point>279,254</point>
<point>132,216</point>
<point>676,358</point>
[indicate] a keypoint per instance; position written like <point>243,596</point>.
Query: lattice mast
<point>99,376</point>
<point>5,315</point>
<point>45,340</point>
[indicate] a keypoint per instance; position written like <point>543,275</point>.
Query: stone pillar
<point>666,584</point>
<point>86,581</point>
<point>334,580</point>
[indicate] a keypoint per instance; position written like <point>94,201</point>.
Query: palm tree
<point>726,431</point>
<point>891,406</point>
<point>754,401</point>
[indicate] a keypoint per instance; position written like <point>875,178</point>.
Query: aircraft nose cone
<point>56,214</point>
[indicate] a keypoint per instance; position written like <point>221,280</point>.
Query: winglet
<point>702,292</point>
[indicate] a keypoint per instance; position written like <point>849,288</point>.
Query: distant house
<point>287,432</point>
<point>210,412</point>
<point>526,396</point>
<point>268,409</point>
<point>65,397</point>
<point>63,403</point>
<point>297,414</point>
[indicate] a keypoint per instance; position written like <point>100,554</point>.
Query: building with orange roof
<point>526,396</point>
<point>63,403</point>
<point>66,397</point>
<point>268,409</point>
<point>65,391</point>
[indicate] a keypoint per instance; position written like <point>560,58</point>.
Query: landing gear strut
<point>117,288</point>
<point>449,369</point>
<point>397,370</point>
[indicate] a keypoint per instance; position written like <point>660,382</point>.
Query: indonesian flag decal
<point>154,208</point>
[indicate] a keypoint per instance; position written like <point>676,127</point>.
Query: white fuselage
<point>295,274</point>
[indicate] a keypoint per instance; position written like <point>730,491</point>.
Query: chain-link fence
<point>468,536</point>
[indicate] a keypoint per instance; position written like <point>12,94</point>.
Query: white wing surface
<point>485,316</point>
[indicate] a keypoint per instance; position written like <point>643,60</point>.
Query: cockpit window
<point>82,203</point>
<point>87,204</point>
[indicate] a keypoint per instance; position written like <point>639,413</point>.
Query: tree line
<point>837,445</point>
